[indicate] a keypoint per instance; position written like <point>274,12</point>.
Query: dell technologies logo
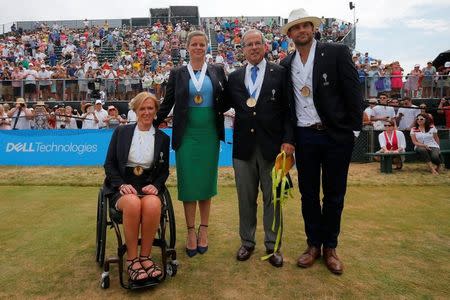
<point>19,147</point>
<point>51,148</point>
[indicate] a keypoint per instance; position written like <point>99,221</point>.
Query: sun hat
<point>298,16</point>
<point>20,101</point>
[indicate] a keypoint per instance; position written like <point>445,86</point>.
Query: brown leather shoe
<point>332,261</point>
<point>276,259</point>
<point>244,253</point>
<point>308,257</point>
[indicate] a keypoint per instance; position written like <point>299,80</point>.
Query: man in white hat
<point>100,113</point>
<point>323,89</point>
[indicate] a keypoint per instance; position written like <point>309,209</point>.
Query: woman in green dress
<point>195,92</point>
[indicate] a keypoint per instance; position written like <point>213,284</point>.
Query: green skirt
<point>197,158</point>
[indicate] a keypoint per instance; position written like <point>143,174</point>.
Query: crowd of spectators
<point>41,116</point>
<point>53,62</point>
<point>391,78</point>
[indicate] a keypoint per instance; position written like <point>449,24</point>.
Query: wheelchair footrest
<point>133,285</point>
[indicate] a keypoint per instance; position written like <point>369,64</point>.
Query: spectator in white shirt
<point>30,83</point>
<point>20,115</point>
<point>100,113</point>
<point>406,115</point>
<point>392,141</point>
<point>381,113</point>
<point>368,112</point>
<point>90,119</point>
<point>45,83</point>
<point>426,142</point>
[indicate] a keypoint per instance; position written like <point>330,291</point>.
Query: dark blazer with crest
<point>177,93</point>
<point>117,157</point>
<point>268,124</point>
<point>336,90</point>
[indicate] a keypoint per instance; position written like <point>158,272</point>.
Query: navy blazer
<point>336,90</point>
<point>117,157</point>
<point>268,124</point>
<point>177,93</point>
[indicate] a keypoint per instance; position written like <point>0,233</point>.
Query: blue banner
<point>71,147</point>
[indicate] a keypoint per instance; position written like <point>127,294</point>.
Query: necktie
<point>254,74</point>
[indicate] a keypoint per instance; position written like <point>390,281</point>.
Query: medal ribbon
<point>254,86</point>
<point>279,178</point>
<point>197,82</point>
<point>305,71</point>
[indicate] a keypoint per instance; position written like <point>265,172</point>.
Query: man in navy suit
<point>262,128</point>
<point>326,102</point>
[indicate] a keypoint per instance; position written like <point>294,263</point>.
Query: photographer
<point>21,116</point>
<point>60,114</point>
<point>69,121</point>
<point>90,119</point>
<point>444,108</point>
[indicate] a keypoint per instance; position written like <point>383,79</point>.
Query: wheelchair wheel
<point>104,283</point>
<point>170,219</point>
<point>172,268</point>
<point>101,228</point>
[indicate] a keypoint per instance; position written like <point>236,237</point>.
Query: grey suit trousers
<point>249,174</point>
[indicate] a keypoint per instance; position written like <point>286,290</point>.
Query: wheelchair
<point>165,239</point>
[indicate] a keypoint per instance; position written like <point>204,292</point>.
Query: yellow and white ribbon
<point>279,178</point>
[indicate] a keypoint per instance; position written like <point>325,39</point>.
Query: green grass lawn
<point>395,243</point>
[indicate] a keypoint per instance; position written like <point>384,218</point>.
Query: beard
<point>299,43</point>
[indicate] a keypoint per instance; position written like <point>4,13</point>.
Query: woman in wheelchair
<point>136,167</point>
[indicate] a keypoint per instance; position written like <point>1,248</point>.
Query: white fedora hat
<point>298,16</point>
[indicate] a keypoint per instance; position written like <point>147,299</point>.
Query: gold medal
<point>138,170</point>
<point>305,91</point>
<point>198,99</point>
<point>251,102</point>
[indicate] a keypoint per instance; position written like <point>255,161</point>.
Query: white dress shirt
<point>248,75</point>
<point>304,106</point>
<point>142,148</point>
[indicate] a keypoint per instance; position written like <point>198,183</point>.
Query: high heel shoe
<point>200,249</point>
<point>191,252</point>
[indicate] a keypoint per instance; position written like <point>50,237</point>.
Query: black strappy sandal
<point>152,269</point>
<point>136,273</point>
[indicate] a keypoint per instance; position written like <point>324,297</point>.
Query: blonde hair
<point>137,101</point>
<point>196,33</point>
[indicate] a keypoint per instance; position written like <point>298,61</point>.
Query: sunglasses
<point>420,119</point>
<point>388,125</point>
